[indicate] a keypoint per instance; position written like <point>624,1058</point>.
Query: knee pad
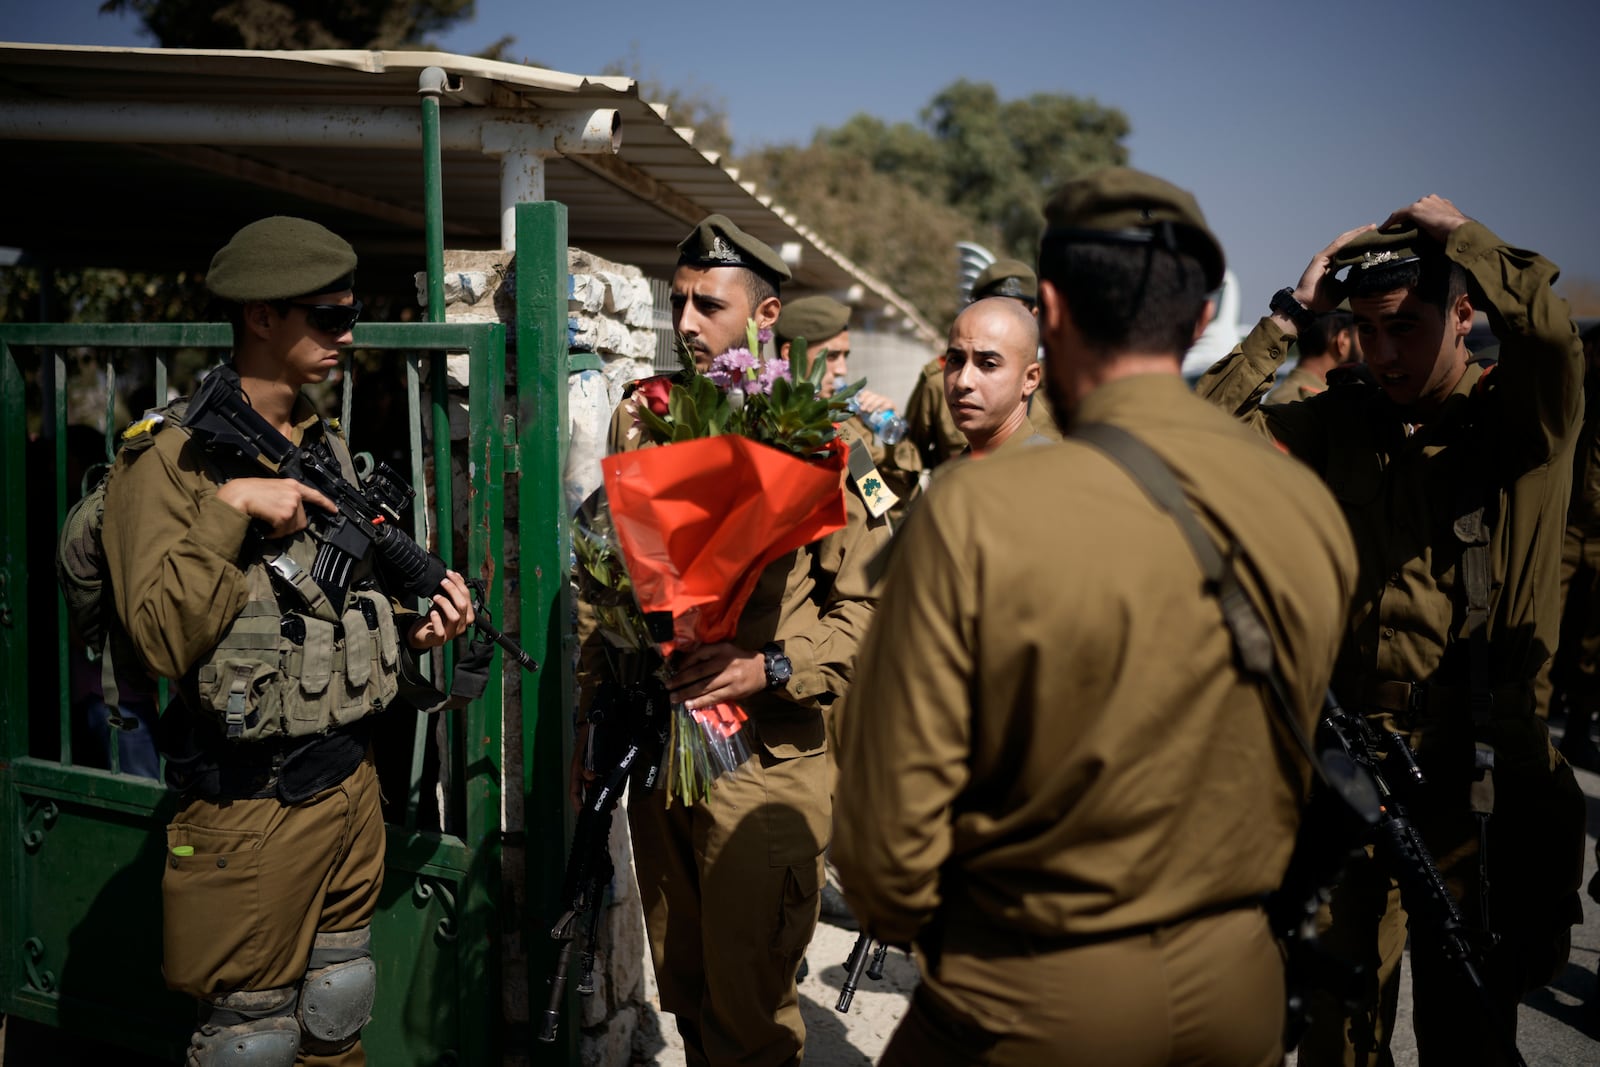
<point>254,1028</point>
<point>336,996</point>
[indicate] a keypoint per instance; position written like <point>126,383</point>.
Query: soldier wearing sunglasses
<point>275,855</point>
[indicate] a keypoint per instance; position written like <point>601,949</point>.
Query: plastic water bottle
<point>889,426</point>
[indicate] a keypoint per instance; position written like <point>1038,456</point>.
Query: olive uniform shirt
<point>900,464</point>
<point>929,424</point>
<point>1583,514</point>
<point>1298,384</point>
<point>1047,727</point>
<point>173,550</point>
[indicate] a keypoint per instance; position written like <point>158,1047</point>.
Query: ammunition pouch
<point>290,675</point>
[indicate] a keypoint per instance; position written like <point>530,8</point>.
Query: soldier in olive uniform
<point>1077,798</point>
<point>824,324</point>
<point>1330,341</point>
<point>1576,672</point>
<point>275,856</point>
<point>1455,480</point>
<point>732,885</point>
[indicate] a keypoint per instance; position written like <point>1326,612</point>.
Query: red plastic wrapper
<point>697,522</point>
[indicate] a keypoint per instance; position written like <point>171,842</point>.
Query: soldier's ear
<point>1460,317</point>
<point>766,315</point>
<point>1031,376</point>
<point>257,318</point>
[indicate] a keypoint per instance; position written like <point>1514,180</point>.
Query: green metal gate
<point>82,847</point>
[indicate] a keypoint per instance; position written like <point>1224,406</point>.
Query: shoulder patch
<point>868,482</point>
<point>149,424</point>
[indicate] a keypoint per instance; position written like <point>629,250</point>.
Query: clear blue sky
<point>1289,123</point>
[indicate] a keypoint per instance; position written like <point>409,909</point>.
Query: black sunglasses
<point>334,319</point>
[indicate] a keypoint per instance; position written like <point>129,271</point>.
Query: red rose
<point>654,392</point>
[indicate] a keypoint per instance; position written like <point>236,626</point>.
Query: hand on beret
<point>1318,289</point>
<point>1433,215</point>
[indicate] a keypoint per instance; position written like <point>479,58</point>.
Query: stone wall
<point>609,315</point>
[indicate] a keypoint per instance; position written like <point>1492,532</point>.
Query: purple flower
<point>764,334</point>
<point>771,371</point>
<point>733,365</point>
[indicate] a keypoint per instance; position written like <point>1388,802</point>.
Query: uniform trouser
<point>1206,991</point>
<point>1535,860</point>
<point>731,890</point>
<point>264,880</point>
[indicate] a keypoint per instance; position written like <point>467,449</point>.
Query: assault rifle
<point>220,418</point>
<point>856,964</point>
<point>1435,916</point>
<point>628,727</point>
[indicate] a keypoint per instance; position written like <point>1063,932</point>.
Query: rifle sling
<point>1251,638</point>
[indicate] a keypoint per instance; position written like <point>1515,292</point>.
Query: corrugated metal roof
<point>80,202</point>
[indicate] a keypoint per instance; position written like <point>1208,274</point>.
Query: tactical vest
<point>293,664</point>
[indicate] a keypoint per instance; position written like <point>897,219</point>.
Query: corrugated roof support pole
<point>430,86</point>
<point>524,146</point>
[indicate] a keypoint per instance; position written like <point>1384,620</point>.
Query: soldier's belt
<point>1415,703</point>
<point>969,931</point>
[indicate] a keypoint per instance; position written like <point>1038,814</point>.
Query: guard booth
<point>83,841</point>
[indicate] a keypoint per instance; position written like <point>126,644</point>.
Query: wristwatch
<point>778,666</point>
<point>1283,303</point>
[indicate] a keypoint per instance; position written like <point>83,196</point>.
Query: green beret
<point>281,258</point>
<point>717,242</point>
<point>1384,248</point>
<point>816,318</point>
<point>1007,277</point>
<point>1121,205</point>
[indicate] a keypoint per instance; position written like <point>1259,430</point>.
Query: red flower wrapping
<point>697,522</point>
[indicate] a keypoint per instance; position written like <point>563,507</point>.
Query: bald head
<point>991,368</point>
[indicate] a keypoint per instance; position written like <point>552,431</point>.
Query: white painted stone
<point>588,293</point>
<point>458,369</point>
<point>588,416</point>
<point>619,292</point>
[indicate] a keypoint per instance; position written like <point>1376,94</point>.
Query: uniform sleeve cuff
<point>220,527</point>
<point>1471,240</point>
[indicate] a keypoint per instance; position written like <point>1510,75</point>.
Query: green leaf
<point>660,429</point>
<point>685,413</point>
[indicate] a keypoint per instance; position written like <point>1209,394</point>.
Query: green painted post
<point>482,748</point>
<point>53,369</point>
<point>13,649</point>
<point>430,84</point>
<point>545,538</point>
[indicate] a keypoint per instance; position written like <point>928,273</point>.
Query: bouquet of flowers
<point>750,469</point>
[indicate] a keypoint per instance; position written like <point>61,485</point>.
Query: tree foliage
<point>272,24</point>
<point>995,161</point>
<point>892,231</point>
<point>896,197</point>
